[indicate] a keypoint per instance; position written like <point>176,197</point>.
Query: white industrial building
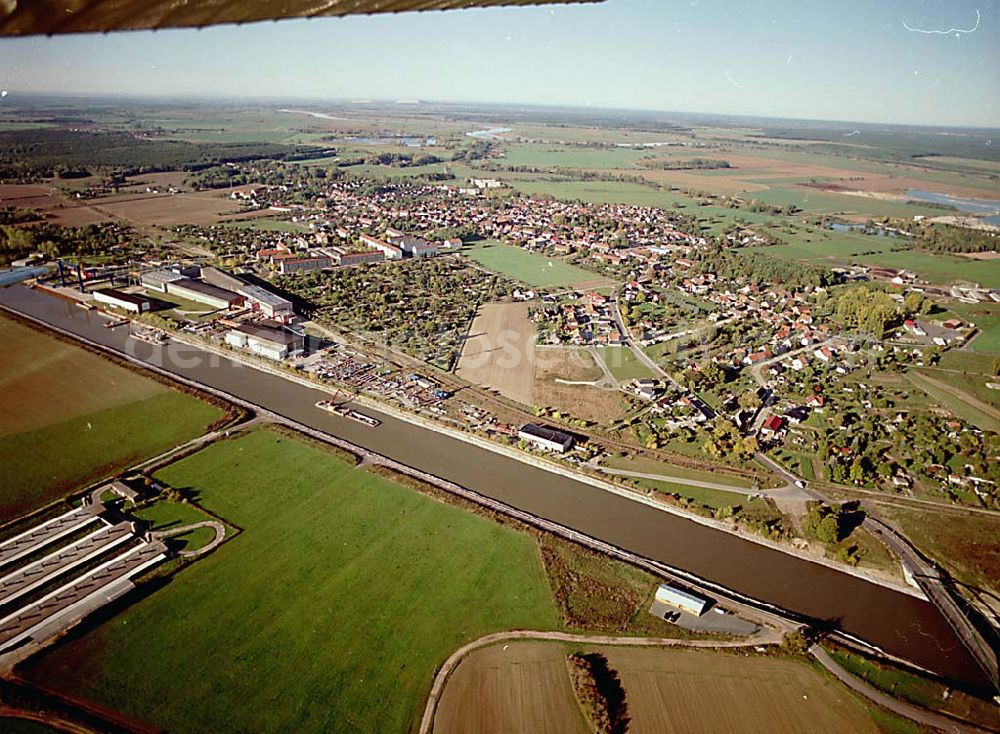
<point>259,299</point>
<point>271,305</point>
<point>157,280</point>
<point>195,290</point>
<point>120,299</point>
<point>682,600</point>
<point>546,438</point>
<point>272,342</point>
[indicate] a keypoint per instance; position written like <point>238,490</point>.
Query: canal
<point>896,622</point>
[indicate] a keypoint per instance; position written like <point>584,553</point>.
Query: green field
<point>535,270</point>
<point>714,498</point>
<point>914,688</point>
<point>963,409</point>
<point>571,156</point>
<point>649,466</point>
<point>986,317</point>
<point>601,192</point>
<point>266,224</point>
<point>69,417</point>
<point>330,611</point>
<point>624,365</point>
<point>42,464</point>
<point>816,201</point>
<point>941,268</point>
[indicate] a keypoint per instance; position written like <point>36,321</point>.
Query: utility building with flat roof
<point>546,438</point>
<point>682,600</point>
<point>268,341</point>
<point>120,299</point>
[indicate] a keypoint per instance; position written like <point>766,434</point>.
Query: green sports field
<point>330,611</point>
<point>535,270</point>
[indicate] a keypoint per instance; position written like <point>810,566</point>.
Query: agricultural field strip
<point>766,636</point>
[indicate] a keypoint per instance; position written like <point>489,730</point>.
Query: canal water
<point>896,622</point>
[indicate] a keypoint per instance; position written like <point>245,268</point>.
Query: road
<point>932,581</point>
<point>906,710</point>
<point>743,491</point>
<point>630,342</point>
<point>765,637</point>
<point>935,584</point>
<point>218,527</point>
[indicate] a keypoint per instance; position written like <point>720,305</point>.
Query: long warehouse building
<point>195,290</point>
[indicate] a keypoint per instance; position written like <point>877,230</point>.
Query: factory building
<point>157,280</point>
<point>259,299</point>
<point>195,290</point>
<point>268,341</point>
<point>221,279</point>
<point>546,438</point>
<point>271,305</point>
<point>682,600</point>
<point>120,299</point>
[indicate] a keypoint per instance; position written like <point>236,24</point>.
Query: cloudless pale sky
<point>821,59</point>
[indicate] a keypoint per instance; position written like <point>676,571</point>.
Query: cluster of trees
<point>867,440</point>
<point>600,692</point>
<point>475,151</point>
<point>397,160</point>
<point>868,309</point>
<point>676,164</point>
<point>421,306</point>
<point>33,154</point>
<point>830,524</point>
<point>725,441</point>
<point>762,269</point>
<point>10,215</point>
<point>54,241</point>
<point>946,238</point>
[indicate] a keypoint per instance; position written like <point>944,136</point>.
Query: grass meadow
<point>535,270</point>
<point>330,611</point>
<point>70,417</point>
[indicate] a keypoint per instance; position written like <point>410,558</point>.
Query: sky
<point>887,61</point>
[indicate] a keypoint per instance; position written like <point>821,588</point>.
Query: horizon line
<point>416,102</point>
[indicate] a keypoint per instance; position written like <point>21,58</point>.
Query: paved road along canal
<point>898,623</point>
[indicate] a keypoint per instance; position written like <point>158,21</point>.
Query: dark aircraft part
<point>47,17</point>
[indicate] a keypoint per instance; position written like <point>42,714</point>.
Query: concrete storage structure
<point>157,280</point>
